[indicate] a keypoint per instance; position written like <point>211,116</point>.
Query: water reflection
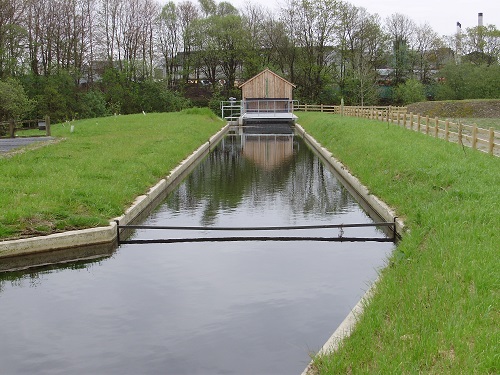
<point>64,258</point>
<point>236,177</point>
<point>268,151</point>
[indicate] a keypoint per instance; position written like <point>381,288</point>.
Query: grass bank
<point>94,173</point>
<point>436,308</point>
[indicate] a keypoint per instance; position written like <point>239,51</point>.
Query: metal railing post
<point>394,229</point>
<point>118,231</point>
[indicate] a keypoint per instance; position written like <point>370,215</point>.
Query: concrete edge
<point>380,208</point>
<point>344,329</point>
<point>108,234</point>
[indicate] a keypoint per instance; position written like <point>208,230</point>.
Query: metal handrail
<point>237,108</point>
<point>269,105</point>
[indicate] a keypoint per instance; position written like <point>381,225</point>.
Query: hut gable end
<point>267,84</point>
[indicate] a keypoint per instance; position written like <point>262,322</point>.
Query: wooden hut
<point>267,97</point>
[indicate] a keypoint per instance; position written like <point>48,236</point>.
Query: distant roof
<point>267,70</point>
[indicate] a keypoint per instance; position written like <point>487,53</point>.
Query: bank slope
<point>96,171</point>
<point>436,307</point>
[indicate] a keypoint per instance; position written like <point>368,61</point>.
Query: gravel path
<point>9,144</point>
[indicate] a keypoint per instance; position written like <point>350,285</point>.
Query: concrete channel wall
<point>369,202</point>
<point>107,235</point>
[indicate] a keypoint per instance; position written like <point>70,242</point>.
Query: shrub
<point>93,104</point>
<point>411,91</point>
<point>14,103</point>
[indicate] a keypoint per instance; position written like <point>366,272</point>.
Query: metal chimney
<point>480,19</point>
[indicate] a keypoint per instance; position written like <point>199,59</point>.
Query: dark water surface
<point>202,308</point>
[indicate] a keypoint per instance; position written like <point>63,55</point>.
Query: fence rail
<point>339,238</point>
<point>9,128</point>
<point>486,140</point>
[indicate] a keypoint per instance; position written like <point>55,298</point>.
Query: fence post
<point>47,126</point>
<point>321,107</point>
<point>12,128</point>
<point>474,136</point>
<point>404,120</point>
<point>427,125</point>
<point>436,127</point>
<point>460,141</point>
<point>411,120</point>
<point>419,119</point>
<point>492,141</point>
<point>447,130</point>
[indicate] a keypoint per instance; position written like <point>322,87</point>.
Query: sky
<point>442,15</point>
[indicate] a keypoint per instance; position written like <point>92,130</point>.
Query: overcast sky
<point>442,15</point>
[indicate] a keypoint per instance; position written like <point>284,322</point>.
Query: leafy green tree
<point>14,103</point>
<point>411,91</point>
<point>482,45</point>
<point>156,97</point>
<point>121,94</point>
<point>56,95</point>
<point>222,43</point>
<point>469,81</point>
<point>314,23</point>
<point>208,7</point>
<point>280,50</point>
<point>92,104</point>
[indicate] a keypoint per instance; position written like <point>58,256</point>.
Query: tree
<point>481,45</point>
<point>401,30</point>
<point>313,26</point>
<point>232,43</point>
<point>14,103</point>
<point>208,7</point>
<point>12,36</point>
<point>411,91</point>
<point>426,40</point>
<point>207,54</point>
<point>257,55</point>
<point>188,16</point>
<point>170,41</point>
<point>225,8</point>
<point>360,49</point>
<point>279,44</point>
<point>469,81</point>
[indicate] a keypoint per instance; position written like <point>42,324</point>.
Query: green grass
<point>436,309</point>
<point>94,173</point>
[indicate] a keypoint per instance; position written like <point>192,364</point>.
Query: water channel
<point>249,307</point>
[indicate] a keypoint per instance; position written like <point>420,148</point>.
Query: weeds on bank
<point>96,171</point>
<point>436,309</point>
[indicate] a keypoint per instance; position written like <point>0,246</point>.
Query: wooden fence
<point>486,140</point>
<point>9,128</point>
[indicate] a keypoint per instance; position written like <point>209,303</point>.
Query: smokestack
<point>480,19</point>
<point>458,41</point>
